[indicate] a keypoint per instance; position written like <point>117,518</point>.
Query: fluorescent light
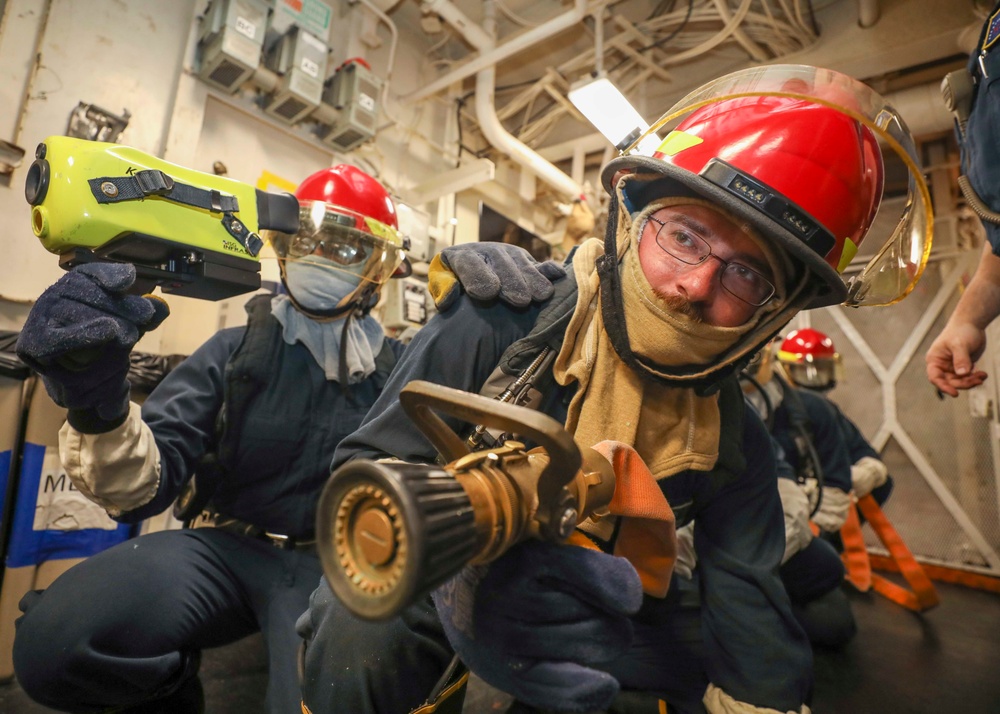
<point>607,109</point>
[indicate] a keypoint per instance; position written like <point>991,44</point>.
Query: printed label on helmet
<point>677,141</point>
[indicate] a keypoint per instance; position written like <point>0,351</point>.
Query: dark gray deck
<point>944,660</point>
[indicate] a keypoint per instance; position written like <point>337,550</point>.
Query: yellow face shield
<point>351,242</point>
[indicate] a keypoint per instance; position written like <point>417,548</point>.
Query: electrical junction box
<point>415,224</point>
<point>230,42</point>
<point>300,59</point>
<point>353,92</point>
<point>407,303</point>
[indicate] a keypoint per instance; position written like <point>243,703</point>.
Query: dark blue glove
<point>489,271</point>
<point>534,621</point>
<point>78,336</point>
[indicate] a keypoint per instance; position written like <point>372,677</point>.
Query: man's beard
<point>682,306</point>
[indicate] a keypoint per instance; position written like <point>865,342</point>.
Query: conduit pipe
<point>503,140</point>
<point>475,36</point>
<point>867,13</point>
<point>489,123</point>
<point>922,108</point>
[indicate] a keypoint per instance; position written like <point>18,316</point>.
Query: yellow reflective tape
<point>381,230</point>
<point>850,250</point>
<point>677,141</point>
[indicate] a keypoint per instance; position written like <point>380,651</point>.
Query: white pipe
<point>392,43</point>
<point>489,122</point>
<point>599,42</point>
<point>391,59</point>
<point>922,108</point>
<point>867,13</point>
<point>489,53</point>
<point>473,33</point>
<point>486,115</point>
<point>499,137</point>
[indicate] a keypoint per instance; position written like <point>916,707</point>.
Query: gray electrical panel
<point>230,41</point>
<point>300,59</point>
<point>353,92</point>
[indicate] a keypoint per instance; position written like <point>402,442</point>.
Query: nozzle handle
<point>419,399</point>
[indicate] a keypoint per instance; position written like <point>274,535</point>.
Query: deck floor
<point>943,660</point>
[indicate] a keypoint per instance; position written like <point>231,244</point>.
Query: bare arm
<point>952,356</point>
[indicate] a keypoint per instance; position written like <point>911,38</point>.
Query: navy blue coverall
<point>123,624</point>
<point>743,637</point>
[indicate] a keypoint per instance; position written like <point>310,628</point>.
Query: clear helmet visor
<point>818,374</point>
<point>348,242</point>
<point>892,256</point>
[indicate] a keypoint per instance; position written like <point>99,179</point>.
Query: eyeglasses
<point>688,247</point>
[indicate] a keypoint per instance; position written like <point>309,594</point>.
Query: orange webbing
<point>944,574</point>
<point>647,537</point>
<point>923,596</point>
<point>855,555</point>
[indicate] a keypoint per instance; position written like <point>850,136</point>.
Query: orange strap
<point>855,555</point>
<point>923,595</point>
<point>944,574</point>
<point>647,537</point>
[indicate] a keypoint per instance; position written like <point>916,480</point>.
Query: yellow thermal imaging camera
<point>191,233</point>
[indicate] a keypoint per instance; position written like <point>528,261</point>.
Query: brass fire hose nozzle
<point>388,533</point>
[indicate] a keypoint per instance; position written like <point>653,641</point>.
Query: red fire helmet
<point>798,153</point>
<point>810,359</point>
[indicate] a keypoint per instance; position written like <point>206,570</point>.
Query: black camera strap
<point>151,182</point>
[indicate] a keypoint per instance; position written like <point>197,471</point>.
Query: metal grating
<point>942,457</point>
<point>227,74</point>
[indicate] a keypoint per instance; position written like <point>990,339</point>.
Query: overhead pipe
<point>489,123</point>
<point>922,108</point>
<point>489,53</point>
<point>867,13</point>
<point>502,139</point>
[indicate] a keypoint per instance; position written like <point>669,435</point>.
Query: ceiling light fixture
<point>606,108</point>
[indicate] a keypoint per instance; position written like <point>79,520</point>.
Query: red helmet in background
<point>810,359</point>
<point>348,218</point>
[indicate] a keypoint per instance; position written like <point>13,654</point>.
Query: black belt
<point>278,540</point>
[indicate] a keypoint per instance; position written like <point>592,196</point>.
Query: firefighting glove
<point>489,271</point>
<point>534,622</point>
<point>833,509</point>
<point>78,336</point>
<point>867,474</point>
